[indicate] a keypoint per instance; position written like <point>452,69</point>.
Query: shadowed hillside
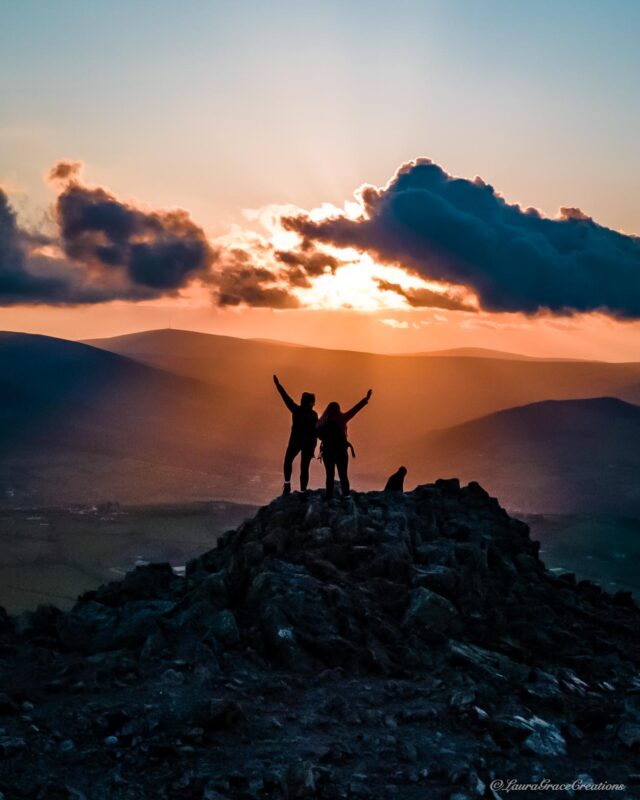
<point>563,456</point>
<point>184,416</point>
<point>79,424</point>
<point>422,391</point>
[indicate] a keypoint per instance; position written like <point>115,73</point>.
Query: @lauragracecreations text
<point>547,785</point>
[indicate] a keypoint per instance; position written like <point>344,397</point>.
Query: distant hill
<point>419,391</point>
<point>79,424</point>
<point>175,415</point>
<point>631,393</point>
<point>132,340</point>
<point>485,352</point>
<point>556,456</point>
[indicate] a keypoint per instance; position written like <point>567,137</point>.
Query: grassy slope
<point>52,555</point>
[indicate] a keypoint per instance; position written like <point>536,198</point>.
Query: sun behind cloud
<point>361,284</point>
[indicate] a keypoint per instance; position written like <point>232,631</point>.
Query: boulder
<point>149,582</point>
<point>224,628</point>
<point>211,588</point>
<point>430,612</point>
<point>88,627</point>
<point>486,664</point>
<point>11,746</point>
<point>137,620</point>
<point>92,627</point>
<point>438,578</point>
<point>629,734</point>
<point>545,739</point>
<point>41,622</point>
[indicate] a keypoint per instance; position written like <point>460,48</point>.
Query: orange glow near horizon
<point>341,309</point>
<point>591,336</point>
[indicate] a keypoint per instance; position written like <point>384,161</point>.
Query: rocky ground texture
<point>380,646</point>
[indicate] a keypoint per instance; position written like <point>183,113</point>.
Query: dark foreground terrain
<point>408,646</point>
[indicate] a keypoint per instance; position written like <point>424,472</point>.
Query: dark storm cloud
<point>29,276</point>
<point>106,249</point>
<point>312,263</point>
<point>425,298</point>
<point>21,281</point>
<point>111,250</point>
<point>298,267</point>
<point>238,281</point>
<point>462,232</point>
<point>159,250</point>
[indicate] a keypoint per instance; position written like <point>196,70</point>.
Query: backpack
<point>332,434</point>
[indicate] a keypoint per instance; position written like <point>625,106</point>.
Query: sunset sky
<point>260,121</point>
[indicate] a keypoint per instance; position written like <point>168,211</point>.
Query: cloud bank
<point>151,251</point>
<point>27,275</point>
<point>469,246</point>
<point>105,249</point>
<point>240,280</point>
<point>463,232</point>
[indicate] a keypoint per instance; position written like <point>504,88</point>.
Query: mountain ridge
<point>576,454</point>
<point>455,352</point>
<point>82,424</point>
<point>604,403</point>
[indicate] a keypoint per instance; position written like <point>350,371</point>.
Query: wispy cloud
<point>395,323</point>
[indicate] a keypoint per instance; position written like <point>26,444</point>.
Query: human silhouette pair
<point>330,428</point>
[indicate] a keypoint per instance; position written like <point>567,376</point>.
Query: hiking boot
<point>286,489</point>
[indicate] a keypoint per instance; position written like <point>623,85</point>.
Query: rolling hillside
<point>422,392</point>
<point>412,394</point>
<point>566,456</point>
<point>172,415</point>
<point>82,425</point>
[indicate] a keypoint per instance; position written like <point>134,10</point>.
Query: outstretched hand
<point>369,393</point>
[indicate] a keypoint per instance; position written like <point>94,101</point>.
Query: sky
<point>234,111</point>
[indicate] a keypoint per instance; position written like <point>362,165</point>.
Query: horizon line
<point>476,353</point>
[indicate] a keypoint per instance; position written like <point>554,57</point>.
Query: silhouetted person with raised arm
<point>303,437</point>
<point>396,481</point>
<point>332,430</point>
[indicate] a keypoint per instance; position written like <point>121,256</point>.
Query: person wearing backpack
<point>335,445</point>
<point>303,437</point>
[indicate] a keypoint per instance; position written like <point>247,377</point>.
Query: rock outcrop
<point>388,645</point>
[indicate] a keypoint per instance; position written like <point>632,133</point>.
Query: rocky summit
<point>379,646</point>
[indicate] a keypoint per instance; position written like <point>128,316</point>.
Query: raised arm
<point>358,407</point>
<point>285,397</point>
